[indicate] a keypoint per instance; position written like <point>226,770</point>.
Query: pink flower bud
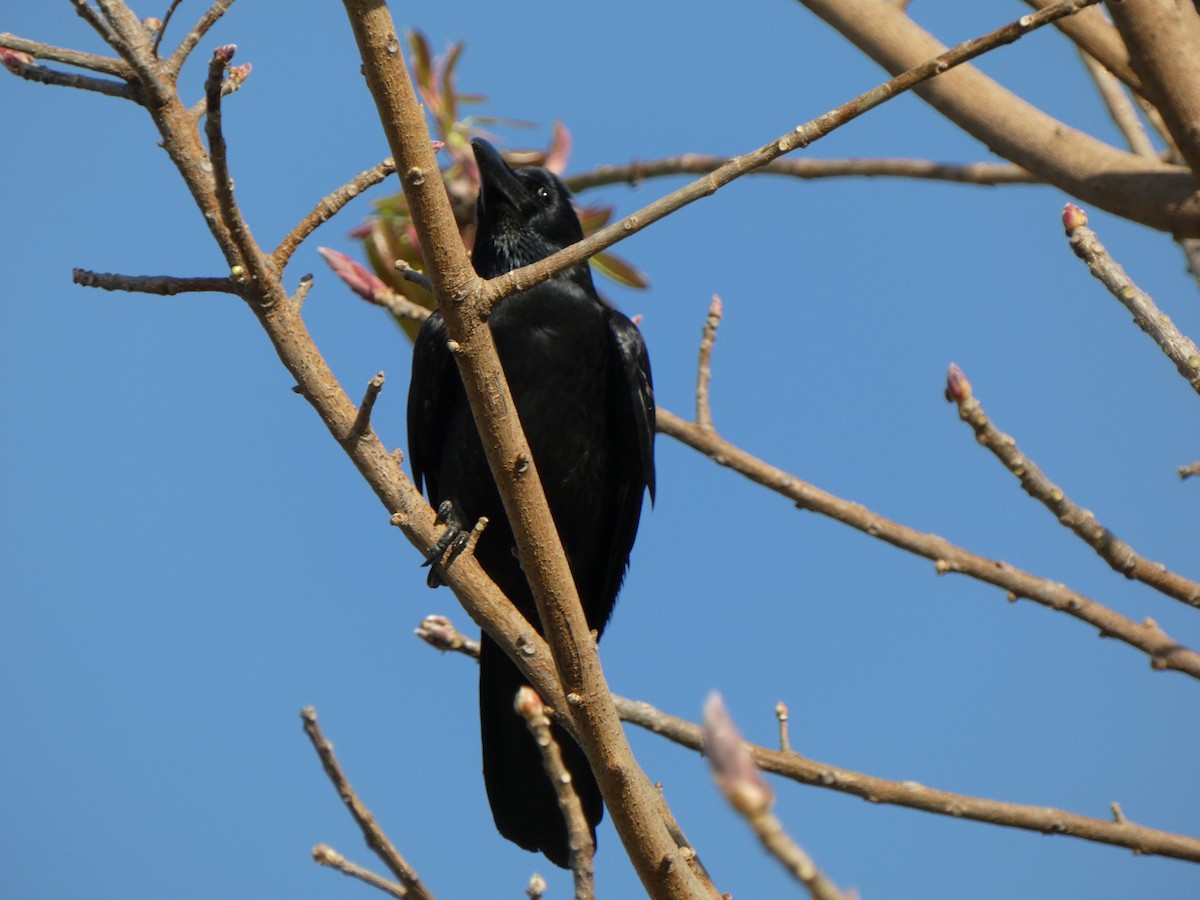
<point>958,388</point>
<point>1073,217</point>
<point>358,277</point>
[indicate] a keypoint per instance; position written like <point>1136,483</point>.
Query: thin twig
<point>89,15</point>
<point>1043,819</point>
<point>237,78</point>
<point>44,75</point>
<point>634,173</point>
<point>374,835</point>
<point>781,713</point>
<point>579,837</point>
<point>193,37</point>
<point>166,285</point>
<point>105,65</point>
<point>801,136</point>
<point>231,214</point>
<point>708,337</point>
<point>910,794</point>
<point>1177,346</point>
<point>162,28</point>
<point>329,206</point>
<point>324,855</point>
<point>408,273</point>
<point>362,422</point>
<point>1114,551</point>
<point>1120,107</point>
<point>749,794</point>
<point>1189,470</point>
<point>302,289</point>
<point>1147,636</point>
<point>1095,35</point>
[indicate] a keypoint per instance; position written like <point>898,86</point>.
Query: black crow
<point>580,378</point>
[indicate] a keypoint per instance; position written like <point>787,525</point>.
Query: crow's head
<point>523,214</point>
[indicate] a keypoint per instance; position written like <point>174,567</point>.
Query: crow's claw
<point>455,539</point>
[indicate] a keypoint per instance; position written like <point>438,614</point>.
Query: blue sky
<point>187,558</point>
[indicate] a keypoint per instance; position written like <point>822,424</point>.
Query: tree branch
<point>1163,37</point>
<point>1178,347</point>
<point>1139,839</point>
<point>1146,636</point>
<point>105,65</point>
<point>372,833</point>
<point>1114,551</point>
<point>166,285</point>
<point>328,207</point>
<point>43,75</point>
<point>917,70</point>
<point>981,173</point>
<point>1095,36</point>
<point>193,37</point>
<point>324,855</point>
<point>1120,832</point>
<point>1147,191</point>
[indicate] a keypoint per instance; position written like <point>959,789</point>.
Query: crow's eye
<point>543,194</point>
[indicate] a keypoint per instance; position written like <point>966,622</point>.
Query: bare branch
<point>1189,470</point>
<point>980,173</point>
<point>1122,110</point>
<point>193,37</point>
<point>579,838</point>
<point>43,75</point>
<point>1094,35</point>
<point>910,794</point>
<point>1043,819</point>
<point>162,28</point>
<point>918,69</point>
<point>704,369</point>
<point>1111,549</point>
<point>329,206</point>
<point>324,855</point>
<point>1178,347</point>
<point>362,422</point>
<point>1146,636</point>
<point>231,215</point>
<point>750,795</point>
<point>374,835</point>
<point>166,285</point>
<point>89,15</point>
<point>781,713</point>
<point>1163,37</point>
<point>105,65</point>
<point>1147,191</point>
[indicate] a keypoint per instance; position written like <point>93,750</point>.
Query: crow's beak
<point>498,183</point>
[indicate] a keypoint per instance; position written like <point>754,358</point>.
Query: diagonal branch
<point>375,837</point>
<point>981,173</point>
<point>1178,347</point>
<point>105,65</point>
<point>1147,191</point>
<point>1095,36</point>
<point>441,634</point>
<point>1163,37</point>
<point>1120,833</point>
<point>177,58</point>
<point>917,70</point>
<point>328,207</point>
<point>1112,549</point>
<point>1146,636</point>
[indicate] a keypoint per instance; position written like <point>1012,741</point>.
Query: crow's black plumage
<point>580,378</point>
